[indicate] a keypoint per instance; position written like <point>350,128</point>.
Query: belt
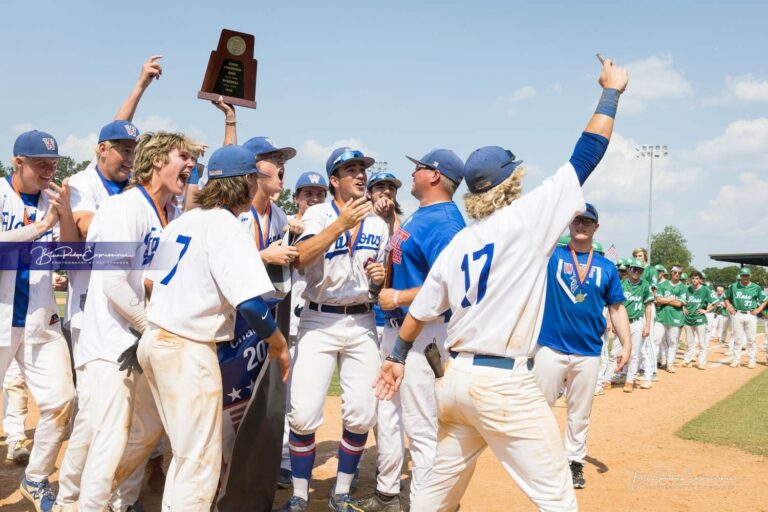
<point>398,322</point>
<point>749,312</point>
<point>353,309</point>
<point>505,363</point>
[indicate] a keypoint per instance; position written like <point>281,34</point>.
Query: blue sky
<point>402,78</point>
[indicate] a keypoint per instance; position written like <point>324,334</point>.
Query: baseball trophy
<point>231,71</point>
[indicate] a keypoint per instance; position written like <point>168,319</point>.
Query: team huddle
<point>453,336</point>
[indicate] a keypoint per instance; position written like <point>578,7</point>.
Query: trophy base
<point>240,102</point>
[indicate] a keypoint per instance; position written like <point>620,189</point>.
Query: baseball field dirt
<point>635,463</point>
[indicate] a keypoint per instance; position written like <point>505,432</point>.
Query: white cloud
<point>743,146</point>
<point>79,148</point>
<point>317,153</point>
<point>653,79</point>
<point>523,93</point>
<point>155,123</point>
<point>623,178</point>
<point>734,210</point>
<point>556,88</point>
<point>747,88</point>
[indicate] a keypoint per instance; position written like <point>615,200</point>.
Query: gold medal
<point>580,297</point>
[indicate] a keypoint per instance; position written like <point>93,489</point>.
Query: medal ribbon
<point>27,220</point>
<point>581,276</point>
<point>159,211</point>
<point>261,236</point>
<point>354,237</point>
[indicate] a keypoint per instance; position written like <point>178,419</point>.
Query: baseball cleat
<point>284,479</point>
<point>599,390</point>
<point>671,368</point>
<point>655,377</point>
<point>376,502</point>
<point>646,385</point>
<point>17,452</point>
<point>735,363</point>
<point>39,493</point>
<point>702,366</point>
<point>295,504</point>
<point>629,387</point>
<point>689,364</point>
<point>340,502</point>
<point>577,472</point>
<point>751,365</point>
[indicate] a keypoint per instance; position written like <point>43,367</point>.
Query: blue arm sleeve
<point>256,313</point>
<point>587,154</point>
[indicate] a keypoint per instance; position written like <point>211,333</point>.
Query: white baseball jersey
<point>205,267</point>
<point>338,277</point>
<point>492,275</point>
<point>87,193</point>
<point>298,285</point>
<point>41,323</point>
<point>265,229</point>
<point>128,217</point>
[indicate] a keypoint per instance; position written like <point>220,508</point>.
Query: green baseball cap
<point>597,246</point>
<point>634,263</point>
<point>745,271</point>
<point>564,240</point>
<point>683,276</point>
<point>661,268</point>
<point>703,275</point>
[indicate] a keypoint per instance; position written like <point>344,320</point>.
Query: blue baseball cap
<point>488,166</point>
<point>262,146</point>
<point>444,160</point>
<point>36,144</point>
<point>119,130</point>
<point>341,156</point>
<point>590,212</point>
<point>230,161</point>
<point>310,179</point>
<point>383,176</point>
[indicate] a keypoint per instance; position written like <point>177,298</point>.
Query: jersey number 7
<point>482,283</point>
<point>184,241</point>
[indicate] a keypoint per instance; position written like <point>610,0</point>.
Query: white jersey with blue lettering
<point>207,255</point>
<point>256,225</point>
<point>338,277</point>
<point>42,320</point>
<point>128,217</point>
<point>492,275</point>
<point>87,193</point>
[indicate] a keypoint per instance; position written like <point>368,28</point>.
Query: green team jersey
<point>636,296</point>
<point>668,314</point>
<point>699,298</point>
<point>745,298</point>
<point>650,275</point>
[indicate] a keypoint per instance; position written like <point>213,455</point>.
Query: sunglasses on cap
<point>347,156</point>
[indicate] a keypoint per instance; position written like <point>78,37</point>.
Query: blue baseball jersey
<point>571,326</point>
<point>418,242</point>
<point>21,293</point>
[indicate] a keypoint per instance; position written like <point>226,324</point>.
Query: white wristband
<point>394,299</point>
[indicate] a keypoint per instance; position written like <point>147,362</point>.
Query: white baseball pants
<point>48,374</point>
<point>480,406</point>
<point>724,337</point>
<point>412,411</point>
<point>328,339</point>
<point>285,461</point>
<point>551,370</point>
<point>15,402</point>
<point>745,332</point>
<point>670,342</point>
<point>696,336</point>
<point>185,380</point>
<point>658,333</point>
<point>71,470</point>
<point>641,353</point>
<point>609,355</point>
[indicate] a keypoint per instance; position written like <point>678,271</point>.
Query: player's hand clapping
<point>278,254</point>
<point>354,211</point>
<point>60,197</point>
<point>389,379</point>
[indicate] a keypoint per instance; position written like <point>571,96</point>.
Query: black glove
<point>128,359</point>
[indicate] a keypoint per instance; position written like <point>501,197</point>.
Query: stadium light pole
<point>650,152</point>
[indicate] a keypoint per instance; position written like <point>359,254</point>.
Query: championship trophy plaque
<point>231,71</point>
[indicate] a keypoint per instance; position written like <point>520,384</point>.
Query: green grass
<point>335,388</point>
<point>739,420</point>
